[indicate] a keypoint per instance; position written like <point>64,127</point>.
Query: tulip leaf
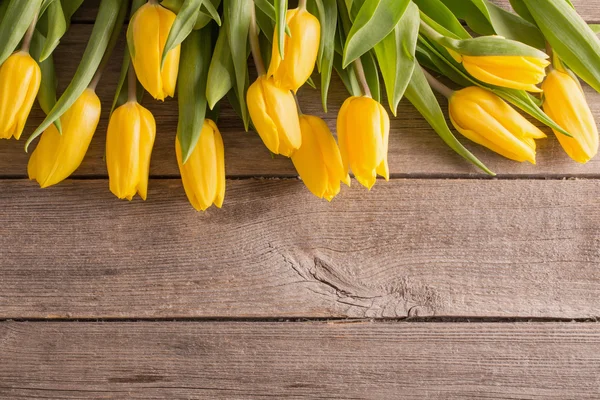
<point>221,73</point>
<point>46,95</point>
<point>208,11</point>
<point>491,46</point>
<point>238,14</point>
<point>281,7</point>
<point>595,28</point>
<point>182,26</point>
<point>347,76</point>
<point>121,94</point>
<point>327,12</point>
<point>372,75</point>
<point>396,55</point>
<point>569,35</point>
<point>57,27</point>
<point>44,6</point>
<point>265,23</point>
<point>374,21</point>
<point>438,12</point>
<point>191,88</point>
<point>420,94</point>
<point>486,18</point>
<point>19,15</point>
<point>69,7</point>
<point>107,27</point>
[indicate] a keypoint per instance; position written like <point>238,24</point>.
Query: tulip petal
<point>265,126</point>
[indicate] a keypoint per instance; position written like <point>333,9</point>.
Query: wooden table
<point>441,283</point>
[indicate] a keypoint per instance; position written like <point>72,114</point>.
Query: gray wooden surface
<point>443,267</point>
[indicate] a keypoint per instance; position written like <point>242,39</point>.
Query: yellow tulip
<point>275,116</point>
<point>486,119</point>
<point>129,141</point>
<point>58,156</point>
<point>203,174</point>
<point>300,50</point>
<point>148,32</point>
<point>565,103</point>
<point>318,161</point>
<point>515,72</point>
<point>20,78</point>
<point>363,128</point>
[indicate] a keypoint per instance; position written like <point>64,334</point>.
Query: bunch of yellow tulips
<point>171,52</point>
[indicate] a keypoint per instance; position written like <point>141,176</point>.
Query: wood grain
<point>145,360</point>
<point>411,247</point>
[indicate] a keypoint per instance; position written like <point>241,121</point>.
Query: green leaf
<point>327,12</point>
<point>522,10</point>
<point>221,74</point>
<point>191,89</point>
<point>265,23</point>
<point>238,14</point>
<point>375,20</point>
<point>491,46</point>
<point>19,15</point>
<point>486,18</point>
<point>421,96</point>
<point>372,75</point>
<point>69,7</point>
<point>347,76</point>
<point>208,11</point>
<point>44,6</point>
<point>121,94</point>
<point>436,10</point>
<point>570,37</point>
<point>595,28</point>
<point>396,55</point>
<point>57,27</point>
<point>281,7</point>
<point>111,14</point>
<point>46,96</point>
<point>182,26</point>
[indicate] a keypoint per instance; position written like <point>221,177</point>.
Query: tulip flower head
<point>363,128</point>
<point>300,50</point>
<point>275,116</point>
<point>147,34</point>
<point>318,161</point>
<point>129,141</point>
<point>515,72</point>
<point>20,78</point>
<point>203,174</point>
<point>565,103</point>
<point>57,155</point>
<point>486,119</point>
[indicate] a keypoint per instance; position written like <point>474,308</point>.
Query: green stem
<point>360,74</point>
<point>429,32</point>
<point>29,34</point>
<point>437,85</point>
<point>302,4</point>
<point>255,45</point>
<point>297,104</point>
<point>131,84</point>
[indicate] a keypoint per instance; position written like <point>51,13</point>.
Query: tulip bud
<point>57,156</point>
<point>516,72</point>
<point>203,174</point>
<point>147,35</point>
<point>486,119</point>
<point>300,50</point>
<point>275,116</point>
<point>363,128</point>
<point>129,141</point>
<point>318,161</point>
<point>20,78</point>
<point>565,103</point>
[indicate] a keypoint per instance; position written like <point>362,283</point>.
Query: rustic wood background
<point>442,283</point>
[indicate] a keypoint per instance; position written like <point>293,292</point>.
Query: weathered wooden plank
<point>216,360</point>
<point>503,248</point>
<point>415,150</point>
